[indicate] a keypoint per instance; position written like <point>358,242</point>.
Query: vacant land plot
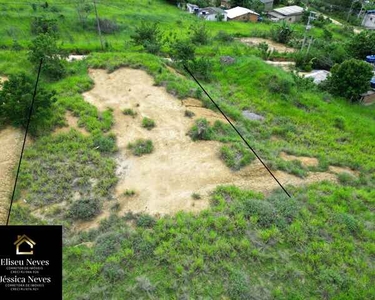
<point>164,180</point>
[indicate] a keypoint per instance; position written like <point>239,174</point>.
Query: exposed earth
<point>254,41</point>
<point>165,180</point>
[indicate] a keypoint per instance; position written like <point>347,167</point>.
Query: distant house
<point>369,19</point>
<point>242,14</point>
<point>290,14</point>
<point>212,14</point>
<point>268,4</point>
<point>192,8</point>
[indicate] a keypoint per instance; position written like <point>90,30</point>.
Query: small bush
<point>339,122</point>
<point>224,37</point>
<point>199,34</point>
<point>41,25</point>
<point>148,123</point>
<point>105,143</point>
<point>149,36</point>
<point>279,85</point>
<point>146,221</point>
<point>108,26</point>
<point>346,179</point>
<point>84,209</point>
<point>201,68</point>
<point>196,196</point>
<point>236,156</point>
<point>201,130</point>
<point>261,209</point>
<point>141,147</point>
<point>129,193</point>
<point>182,50</point>
<point>239,286</point>
<point>107,244</point>
<point>129,112</point>
<point>113,272</point>
<point>189,114</point>
<point>349,222</point>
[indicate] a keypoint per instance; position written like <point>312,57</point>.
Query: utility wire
<point>234,127</point>
<point>24,139</point>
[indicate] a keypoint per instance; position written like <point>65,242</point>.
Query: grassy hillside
<point>320,244</point>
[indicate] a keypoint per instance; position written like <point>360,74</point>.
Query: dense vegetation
<point>318,244</point>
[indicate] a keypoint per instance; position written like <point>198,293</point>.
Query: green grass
<point>148,123</point>
<point>141,147</point>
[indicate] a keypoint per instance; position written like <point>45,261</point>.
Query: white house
<point>213,14</point>
<point>369,19</point>
<point>192,8</point>
<point>290,14</point>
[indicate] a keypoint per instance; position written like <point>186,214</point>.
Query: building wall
<point>246,18</point>
<point>293,19</point>
<point>369,21</point>
<point>213,17</point>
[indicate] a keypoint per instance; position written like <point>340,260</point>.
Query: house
<point>268,4</point>
<point>290,14</point>
<point>369,19</point>
<point>242,14</point>
<point>212,14</point>
<point>192,8</point>
<point>21,239</point>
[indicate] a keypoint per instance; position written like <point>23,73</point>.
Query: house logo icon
<point>21,239</point>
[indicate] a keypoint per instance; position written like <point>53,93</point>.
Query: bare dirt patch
<point>285,65</point>
<point>338,170</point>
<point>72,122</point>
<point>164,180</point>
<point>10,148</point>
<point>254,41</point>
<point>305,160</point>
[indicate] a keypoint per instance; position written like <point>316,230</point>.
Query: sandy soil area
<point>10,149</point>
<point>253,41</point>
<point>165,179</point>
<point>305,160</point>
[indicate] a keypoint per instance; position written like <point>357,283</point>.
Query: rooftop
<point>212,10</point>
<point>289,10</point>
<point>239,11</point>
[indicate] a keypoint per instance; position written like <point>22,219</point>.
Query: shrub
<point>141,147</point>
<point>189,114</point>
<point>15,101</point>
<point>44,47</point>
<point>148,36</point>
<point>108,26</point>
<point>224,37</point>
<point>261,209</point>
<point>201,130</point>
<point>236,156</point>
<point>201,68</point>
<point>129,112</point>
<point>346,179</point>
<point>196,196</point>
<point>280,85</point>
<point>350,79</point>
<point>146,221</point>
<point>105,143</point>
<point>362,44</point>
<point>349,222</point>
<point>84,209</point>
<point>129,193</point>
<point>239,286</point>
<point>199,34</point>
<point>182,50</point>
<point>282,33</point>
<point>42,25</point>
<point>339,122</point>
<point>148,123</point>
<point>107,244</point>
<point>113,272</point>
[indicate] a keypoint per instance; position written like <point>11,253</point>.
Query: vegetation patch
<point>84,209</point>
<point>148,123</point>
<point>236,156</point>
<point>141,147</point>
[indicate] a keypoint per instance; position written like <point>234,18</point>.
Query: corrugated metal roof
<point>239,11</point>
<point>289,10</point>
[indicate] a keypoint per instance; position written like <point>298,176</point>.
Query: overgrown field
<point>319,244</point>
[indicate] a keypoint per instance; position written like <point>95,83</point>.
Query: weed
<point>148,123</point>
<point>84,209</point>
<point>201,130</point>
<point>129,193</point>
<point>196,196</point>
<point>141,147</point>
<point>129,112</point>
<point>189,114</point>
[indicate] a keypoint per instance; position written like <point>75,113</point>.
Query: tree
<point>149,36</point>
<point>362,44</point>
<point>282,33</point>
<point>350,79</point>
<point>15,102</point>
<point>44,47</point>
